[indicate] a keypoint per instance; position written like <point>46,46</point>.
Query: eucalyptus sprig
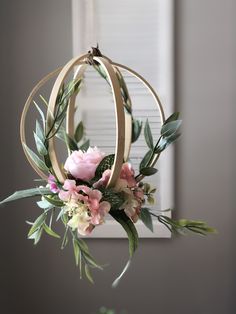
<point>168,135</point>
<point>182,226</point>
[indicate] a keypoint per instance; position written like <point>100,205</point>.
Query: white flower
<point>80,217</point>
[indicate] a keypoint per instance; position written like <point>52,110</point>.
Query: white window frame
<point>111,229</point>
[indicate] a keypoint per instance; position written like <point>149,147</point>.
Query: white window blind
<point>138,34</point>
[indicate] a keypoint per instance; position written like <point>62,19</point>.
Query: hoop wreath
<point>91,184</point>
<point>123,121</point>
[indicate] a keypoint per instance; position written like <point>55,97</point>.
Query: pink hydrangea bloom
<point>127,173</point>
<point>98,209</point>
<point>126,176</point>
<point>88,209</point>
<point>52,184</point>
<point>70,191</point>
<point>82,165</point>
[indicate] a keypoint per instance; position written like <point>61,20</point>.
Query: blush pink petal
<point>104,179</point>
<point>82,165</point>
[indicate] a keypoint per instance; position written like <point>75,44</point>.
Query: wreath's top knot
<point>94,52</point>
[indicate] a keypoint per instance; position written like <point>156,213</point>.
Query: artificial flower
<point>52,184</point>
<point>82,165</point>
<point>80,218</point>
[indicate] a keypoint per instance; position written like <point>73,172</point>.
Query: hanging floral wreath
<point>84,198</point>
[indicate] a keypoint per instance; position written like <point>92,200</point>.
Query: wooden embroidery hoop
<point>123,119</point>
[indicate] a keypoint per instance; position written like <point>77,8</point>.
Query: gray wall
<point>184,275</point>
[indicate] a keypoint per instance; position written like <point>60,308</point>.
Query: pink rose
<point>82,165</point>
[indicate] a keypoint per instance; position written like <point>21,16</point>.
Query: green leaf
<point>136,129</point>
<point>114,198</point>
<point>173,117</point>
<point>44,204</point>
<point>90,260</point>
<point>61,133</point>
<point>170,128</point>
<point>38,162</point>
<point>41,114</point>
<point>37,224</point>
<point>43,100</point>
<point>148,171</point>
<point>144,162</point>
<point>146,218</point>
<point>83,245</point>
<point>76,251</point>
<point>165,142</point>
<point>150,200</point>
<point>148,135</point>
<point>36,236</point>
<point>79,132</point>
<point>85,145</point>
<point>62,212</point>
<point>42,150</point>
<point>26,193</point>
<point>50,232</point>
<point>71,143</point>
<point>106,163</point>
<point>88,273</point>
<point>129,227</point>
<point>54,200</point>
<point>65,239</point>
<point>39,131</point>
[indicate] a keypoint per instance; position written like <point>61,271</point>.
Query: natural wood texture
<point>123,118</point>
<point>157,101</point>
<point>120,119</point>
<point>57,168</point>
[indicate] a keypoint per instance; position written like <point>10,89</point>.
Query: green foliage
<point>148,135</point>
<point>114,198</point>
<point>71,143</point>
<point>148,171</point>
<point>129,227</point>
<point>145,161</point>
<point>39,131</point>
<point>136,129</point>
<point>44,204</point>
<point>85,145</point>
<point>42,150</point>
<point>168,136</point>
<point>127,224</point>
<point>165,142</point>
<point>170,128</point>
<point>79,132</point>
<point>173,117</point>
<point>146,218</point>
<point>26,193</point>
<point>83,258</point>
<point>183,225</point>
<point>54,200</point>
<point>61,106</point>
<point>37,224</point>
<point>50,232</point>
<point>105,164</point>
<point>36,160</point>
<point>41,114</point>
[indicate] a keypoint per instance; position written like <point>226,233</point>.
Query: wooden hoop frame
<point>120,118</point>
<point>123,119</point>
